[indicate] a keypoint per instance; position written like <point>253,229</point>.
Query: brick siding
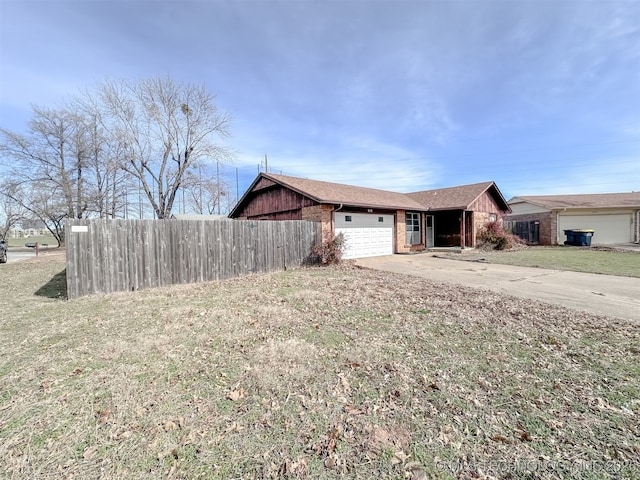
<point>548,225</point>
<point>322,214</point>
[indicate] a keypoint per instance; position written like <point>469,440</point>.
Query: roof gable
<point>340,194</point>
<point>452,198</point>
<point>458,198</point>
<point>595,200</point>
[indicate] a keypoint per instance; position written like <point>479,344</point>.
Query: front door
<point>468,229</point>
<point>429,230</point>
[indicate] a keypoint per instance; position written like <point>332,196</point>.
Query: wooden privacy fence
<point>106,256</point>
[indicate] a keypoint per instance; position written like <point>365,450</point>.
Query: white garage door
<point>366,235</point>
<point>607,228</point>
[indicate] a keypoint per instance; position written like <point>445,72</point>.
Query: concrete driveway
<point>602,294</point>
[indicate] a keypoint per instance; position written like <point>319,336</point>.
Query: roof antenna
<point>266,164</point>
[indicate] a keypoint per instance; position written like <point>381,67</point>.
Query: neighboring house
<point>542,219</point>
<point>375,222</point>
<point>28,229</point>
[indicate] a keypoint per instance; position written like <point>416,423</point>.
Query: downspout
<point>333,219</point>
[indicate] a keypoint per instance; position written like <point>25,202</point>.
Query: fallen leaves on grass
<point>500,439</point>
<point>235,394</point>
<point>525,436</point>
<point>387,438</point>
<point>90,452</point>
<point>103,416</point>
<point>294,468</point>
<point>312,373</point>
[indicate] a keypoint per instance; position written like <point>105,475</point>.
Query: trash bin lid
<point>583,231</point>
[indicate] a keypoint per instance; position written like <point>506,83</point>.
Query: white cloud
<point>362,161</point>
<point>609,175</point>
<point>352,91</point>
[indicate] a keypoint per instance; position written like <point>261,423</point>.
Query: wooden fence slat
<point>105,256</point>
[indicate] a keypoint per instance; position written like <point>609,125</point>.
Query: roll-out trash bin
<point>571,238</point>
<point>578,237</point>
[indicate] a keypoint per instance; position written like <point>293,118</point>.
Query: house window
<point>347,218</point>
<point>380,219</point>
<point>413,228</point>
<point>493,217</point>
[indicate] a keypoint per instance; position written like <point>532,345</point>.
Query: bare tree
<point>11,211</point>
<point>49,166</point>
<point>36,201</point>
<point>164,129</point>
<point>48,207</point>
<point>206,191</point>
<point>107,180</point>
<point>91,157</point>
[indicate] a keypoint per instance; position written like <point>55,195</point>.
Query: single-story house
<point>542,219</point>
<point>375,222</point>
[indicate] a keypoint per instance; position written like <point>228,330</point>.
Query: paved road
<point>604,294</point>
<point>13,256</point>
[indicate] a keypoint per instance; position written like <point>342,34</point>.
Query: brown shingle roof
<point>337,193</point>
<point>595,200</point>
<point>455,198</point>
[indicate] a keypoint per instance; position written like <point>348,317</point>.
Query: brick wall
<point>312,214</point>
<point>401,232</point>
<point>548,225</point>
<point>551,219</point>
<point>322,214</point>
<point>480,219</point>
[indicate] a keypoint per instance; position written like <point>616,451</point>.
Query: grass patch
<point>566,258</point>
<point>311,373</point>
<point>19,242</point>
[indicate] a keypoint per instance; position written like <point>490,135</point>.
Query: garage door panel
<point>608,229</point>
<point>366,235</point>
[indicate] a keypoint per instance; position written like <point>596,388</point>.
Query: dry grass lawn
<point>602,260</point>
<point>311,373</point>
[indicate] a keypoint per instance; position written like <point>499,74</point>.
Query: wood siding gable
<point>273,202</point>
<point>487,203</point>
<point>263,183</point>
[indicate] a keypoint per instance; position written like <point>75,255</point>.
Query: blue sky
<point>541,96</point>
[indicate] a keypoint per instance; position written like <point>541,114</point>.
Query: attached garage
<point>366,235</point>
<point>609,229</point>
<point>614,217</point>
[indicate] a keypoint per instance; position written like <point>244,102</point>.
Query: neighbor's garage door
<point>366,235</point>
<point>607,228</point>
